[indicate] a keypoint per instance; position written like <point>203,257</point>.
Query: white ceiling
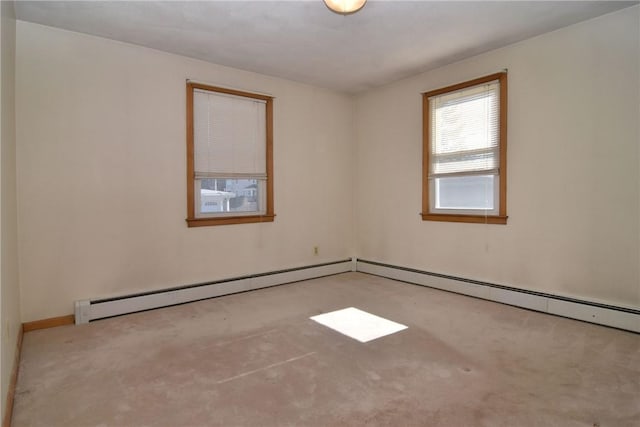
<point>304,41</point>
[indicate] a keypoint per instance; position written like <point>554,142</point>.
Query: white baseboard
<point>602,314</point>
<point>88,310</point>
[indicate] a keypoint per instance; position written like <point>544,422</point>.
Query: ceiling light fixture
<point>345,7</point>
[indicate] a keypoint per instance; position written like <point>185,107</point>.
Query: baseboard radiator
<point>593,312</point>
<point>88,310</point>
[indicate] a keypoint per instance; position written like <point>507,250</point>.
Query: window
<point>229,156</point>
<point>465,152</point>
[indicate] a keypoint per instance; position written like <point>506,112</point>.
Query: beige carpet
<point>255,359</point>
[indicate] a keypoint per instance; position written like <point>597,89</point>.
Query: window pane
<point>469,123</point>
<point>464,130</point>
<point>221,195</point>
<point>465,192</point>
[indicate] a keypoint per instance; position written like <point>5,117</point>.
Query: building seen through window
<point>228,195</point>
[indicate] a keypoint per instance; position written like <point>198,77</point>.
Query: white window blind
<point>229,136</point>
<point>464,130</point>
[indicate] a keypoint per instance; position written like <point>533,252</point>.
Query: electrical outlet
<point>316,250</point>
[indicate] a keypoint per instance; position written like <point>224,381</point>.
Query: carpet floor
<point>256,359</point>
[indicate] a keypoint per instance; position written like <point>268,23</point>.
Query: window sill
<point>478,219</point>
<point>204,222</point>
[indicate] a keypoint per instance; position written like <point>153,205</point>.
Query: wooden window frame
<point>501,218</point>
<point>269,214</point>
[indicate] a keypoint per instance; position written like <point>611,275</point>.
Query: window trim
<point>501,218</point>
<point>269,215</point>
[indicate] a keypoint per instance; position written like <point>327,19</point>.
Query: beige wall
<point>573,160</point>
<point>101,165</point>
<point>9,291</point>
<point>101,173</point>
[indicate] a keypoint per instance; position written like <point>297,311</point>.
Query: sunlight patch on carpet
<point>358,324</point>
